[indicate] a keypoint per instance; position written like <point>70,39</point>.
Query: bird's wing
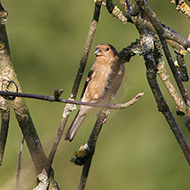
<point>91,74</point>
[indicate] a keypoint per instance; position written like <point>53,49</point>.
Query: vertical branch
<point>18,186</point>
<point>68,108</point>
<point>5,114</point>
<point>4,107</point>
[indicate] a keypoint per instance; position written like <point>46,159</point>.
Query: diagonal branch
<point>161,33</point>
<point>181,108</point>
<point>150,62</point>
<point>18,186</point>
<point>101,119</point>
<point>91,148</point>
<point>176,41</point>
<point>68,109</point>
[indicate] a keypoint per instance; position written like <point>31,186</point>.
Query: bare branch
<point>24,119</point>
<point>85,171</point>
<point>116,12</point>
<point>150,63</point>
<point>158,27</point>
<point>181,108</point>
<point>136,48</point>
<point>4,107</point>
<point>53,99</point>
<point>77,81</point>
<point>5,116</point>
<point>19,166</point>
<point>176,41</point>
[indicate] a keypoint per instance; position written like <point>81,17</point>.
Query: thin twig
<point>116,12</point>
<point>18,186</point>
<point>77,81</point>
<point>133,11</point>
<point>181,108</point>
<point>52,99</point>
<point>176,41</point>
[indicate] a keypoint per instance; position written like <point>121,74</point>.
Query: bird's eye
<point>107,49</point>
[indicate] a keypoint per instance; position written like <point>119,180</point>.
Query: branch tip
<point>58,93</point>
<point>139,95</point>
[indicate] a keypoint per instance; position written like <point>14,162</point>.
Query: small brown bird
<point>95,83</point>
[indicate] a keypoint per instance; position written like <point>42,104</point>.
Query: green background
<point>136,148</point>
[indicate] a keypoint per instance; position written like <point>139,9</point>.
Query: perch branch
<point>52,99</point>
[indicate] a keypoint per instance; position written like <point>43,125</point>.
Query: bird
<point>93,90</point>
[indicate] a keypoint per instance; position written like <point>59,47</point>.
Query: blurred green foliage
<point>136,148</point>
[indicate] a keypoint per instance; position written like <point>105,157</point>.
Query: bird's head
<point>105,50</point>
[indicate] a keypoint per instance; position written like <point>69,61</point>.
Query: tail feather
<point>74,127</point>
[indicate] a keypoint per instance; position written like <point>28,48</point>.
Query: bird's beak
<point>97,52</point>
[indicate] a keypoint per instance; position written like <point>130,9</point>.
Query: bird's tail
<point>74,127</point>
